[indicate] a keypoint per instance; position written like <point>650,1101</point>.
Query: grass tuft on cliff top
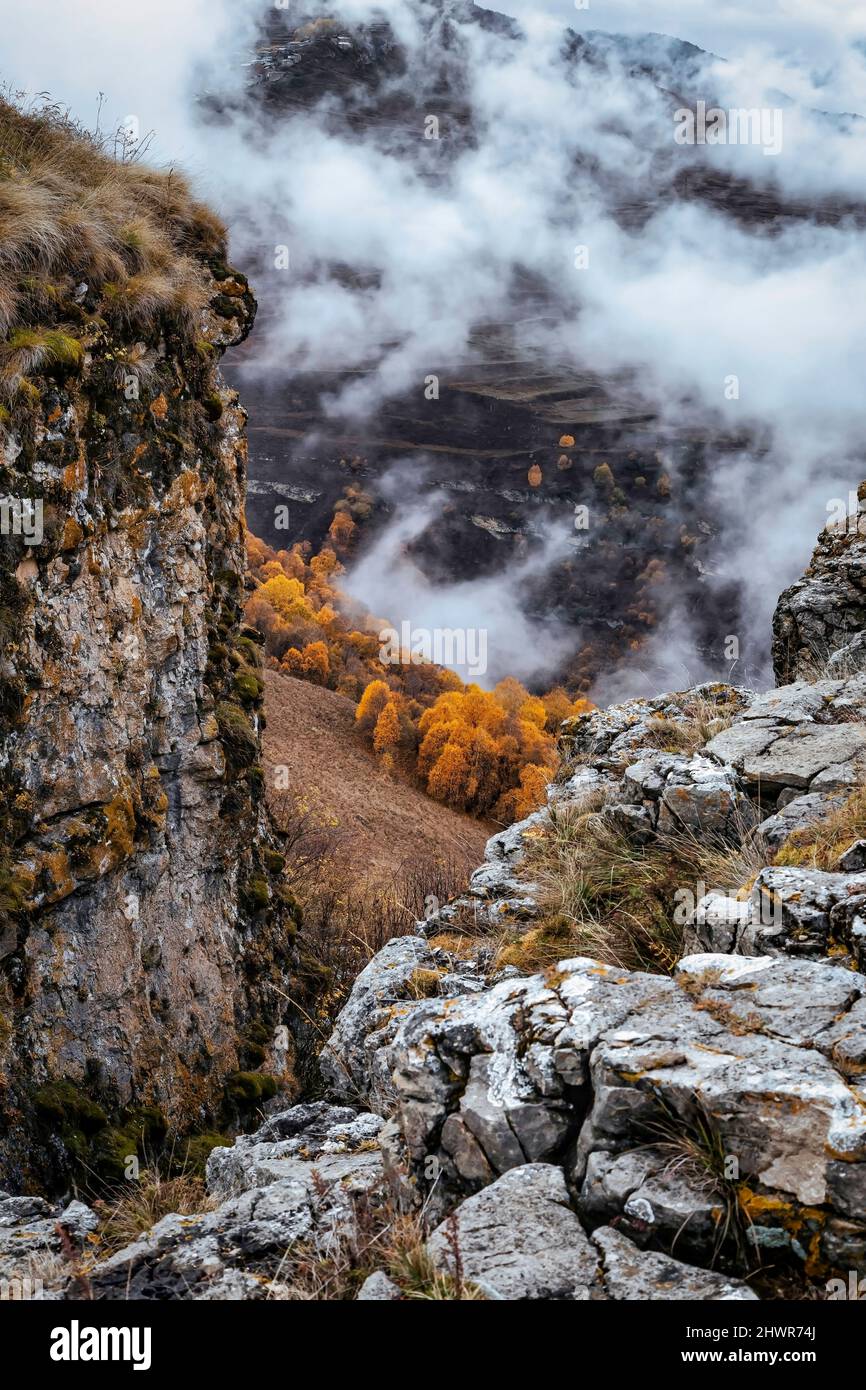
<point>75,213</point>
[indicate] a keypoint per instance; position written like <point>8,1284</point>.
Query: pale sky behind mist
<point>142,56</point>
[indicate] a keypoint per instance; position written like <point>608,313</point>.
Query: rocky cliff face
<point>819,622</point>
<point>146,941</point>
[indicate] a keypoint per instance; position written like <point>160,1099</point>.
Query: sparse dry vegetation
<point>348,916</point>
<point>373,1234</point>
<point>601,895</point>
<point>693,1147</point>
<point>704,718</point>
<point>132,1209</point>
<point>824,662</point>
<point>378,1236</point>
<point>88,235</point>
<point>820,845</point>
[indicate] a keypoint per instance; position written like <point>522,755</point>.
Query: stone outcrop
<point>820,620</point>
<point>353,1062</point>
<point>278,1198</point>
<point>790,911</point>
<point>594,1062</point>
<point>145,940</point>
<point>519,1238</point>
<point>36,1240</point>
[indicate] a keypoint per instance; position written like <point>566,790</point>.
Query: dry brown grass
<point>460,947</point>
<point>820,845</point>
<point>599,895</point>
<point>379,1236</point>
<point>45,1270</point>
<point>423,984</point>
<point>815,664</point>
<point>704,718</point>
<point>73,213</point>
<point>348,915</point>
<point>331,1266</point>
<point>693,1147</point>
<point>729,866</point>
<point>603,896</point>
<point>136,1207</point>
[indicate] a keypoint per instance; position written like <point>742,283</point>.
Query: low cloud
<point>388,582</point>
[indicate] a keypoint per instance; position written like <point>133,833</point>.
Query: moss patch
<point>250,1088</point>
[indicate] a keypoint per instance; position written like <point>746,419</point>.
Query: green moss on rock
<point>64,1104</point>
<point>247,687</point>
<point>236,732</point>
<point>249,1088</point>
<point>191,1155</point>
<point>256,893</point>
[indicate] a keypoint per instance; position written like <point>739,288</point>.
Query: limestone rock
<point>299,1187</point>
<point>653,1199</point>
<point>519,1238</point>
<point>806,912</point>
<point>353,1062</point>
<point>718,923</point>
<point>608,739</point>
<point>630,1274</point>
<point>190,1257</point>
<point>378,1288</point>
<point>824,613</point>
<point>340,1143</point>
<point>772,757</point>
<point>853,861</point>
<point>31,1246</point>
<point>799,813</point>
<point>746,1046</point>
<point>151,930</point>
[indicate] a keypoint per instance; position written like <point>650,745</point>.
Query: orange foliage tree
<point>488,752</point>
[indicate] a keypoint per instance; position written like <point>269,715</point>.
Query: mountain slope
<point>381,822</point>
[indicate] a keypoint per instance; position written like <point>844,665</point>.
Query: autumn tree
<point>341,530</point>
<point>386,735</point>
<point>510,694</point>
<point>323,565</point>
<point>486,751</point>
<point>448,778</point>
<point>534,781</point>
<point>532,711</point>
<point>558,706</point>
<point>316,662</point>
<point>603,478</point>
<point>271,569</point>
<point>370,706</point>
<point>286,597</point>
<point>293,661</point>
